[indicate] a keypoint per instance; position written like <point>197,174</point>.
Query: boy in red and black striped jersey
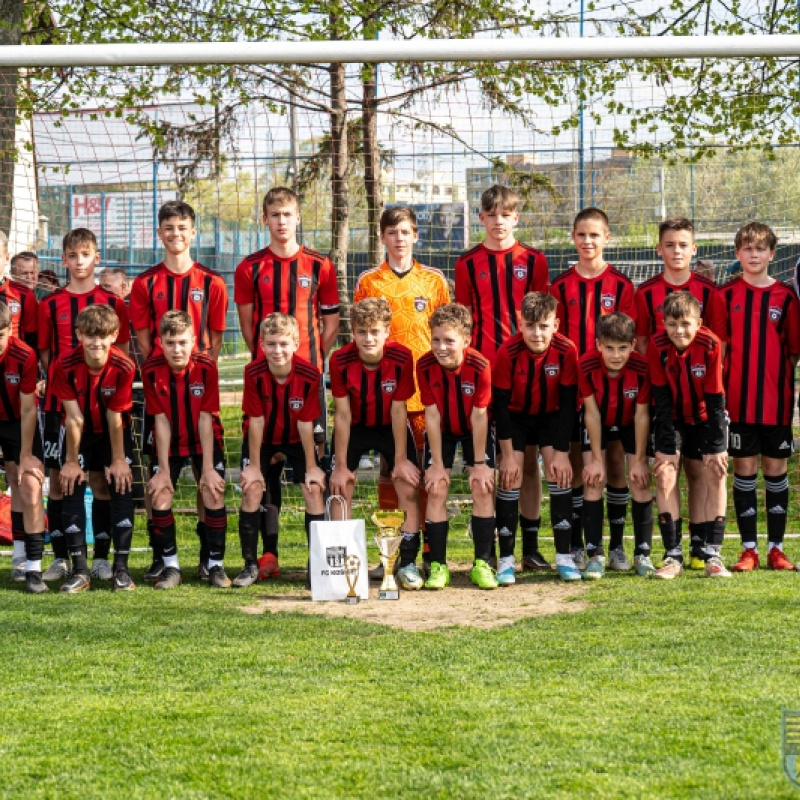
<point>535,394</point>
<point>95,384</point>
<point>21,447</point>
<point>690,430</point>
<point>615,390</point>
<point>281,400</point>
<point>759,324</point>
<point>455,386</point>
<point>20,300</point>
<point>58,314</point>
<point>182,391</point>
<point>371,380</point>
<point>585,292</point>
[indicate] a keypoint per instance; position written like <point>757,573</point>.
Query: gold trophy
<point>388,540</point>
<point>352,564</point>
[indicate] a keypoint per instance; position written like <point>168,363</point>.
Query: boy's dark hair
<point>616,327</point>
<point>453,315</point>
<point>174,323</point>
<point>499,197</point>
<point>176,208</point>
<point>675,224</point>
<point>755,233</point>
<point>392,217</point>
<point>49,277</point>
<point>97,320</point>
<point>78,237</point>
<point>591,213</point>
<point>679,305</point>
<point>280,196</point>
<point>25,255</point>
<point>370,310</point>
<point>5,317</point>
<point>537,306</point>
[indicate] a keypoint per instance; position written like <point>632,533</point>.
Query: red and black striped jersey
<point>110,389</point>
<point>455,392</point>
<point>282,405</point>
<point>24,308</point>
<point>617,396</point>
<point>761,328</point>
<point>372,391</point>
<point>303,286</point>
<point>492,284</point>
<point>200,292</point>
<point>20,371</point>
<point>582,301</point>
<point>651,294</point>
<point>534,379</point>
<point>181,396</point>
<point>690,375</point>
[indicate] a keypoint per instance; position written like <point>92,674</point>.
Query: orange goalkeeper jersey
<point>413,296</point>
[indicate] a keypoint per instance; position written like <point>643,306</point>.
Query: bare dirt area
<point>461,604</point>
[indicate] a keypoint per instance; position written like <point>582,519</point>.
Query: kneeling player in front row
<point>690,430</point>
<point>182,392</point>
<point>456,389</point>
<point>95,383</point>
<point>535,389</point>
<point>281,399</point>
<point>371,380</point>
<point>616,395</point>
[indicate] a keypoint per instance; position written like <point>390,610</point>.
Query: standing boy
<point>371,380</point>
<point>20,300</point>
<point>456,388</point>
<point>759,323</point>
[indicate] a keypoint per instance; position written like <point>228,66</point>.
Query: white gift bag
<point>331,542</point>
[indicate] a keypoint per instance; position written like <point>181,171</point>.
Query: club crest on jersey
<point>107,391</point>
<point>551,370</point>
<point>698,370</point>
<point>197,389</point>
<point>304,281</point>
<point>14,307</point>
<point>607,301</point>
<point>420,303</point>
<point>196,295</point>
<point>468,388</point>
<point>631,392</point>
<point>12,378</point>
<point>295,403</point>
<point>520,272</point>
<point>389,386</point>
<point>774,313</point>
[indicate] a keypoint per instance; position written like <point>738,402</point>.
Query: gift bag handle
<point>342,502</point>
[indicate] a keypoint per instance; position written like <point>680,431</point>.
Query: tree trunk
<point>10,33</point>
<point>372,166</point>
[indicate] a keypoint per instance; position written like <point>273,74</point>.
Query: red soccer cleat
<point>748,561</point>
<point>268,567</point>
<point>776,559</point>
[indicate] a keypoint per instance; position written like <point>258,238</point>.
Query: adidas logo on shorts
<point>784,446</point>
<point>220,466</point>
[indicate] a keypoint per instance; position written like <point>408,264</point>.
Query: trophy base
<point>389,594</point>
<point>352,601</point>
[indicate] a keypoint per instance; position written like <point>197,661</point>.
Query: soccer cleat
<point>34,583</point>
<point>154,571</point>
<point>268,567</point>
<point>536,562</point>
<point>579,557</point>
<point>56,571</point>
<point>776,559</point>
<point>482,575</point>
<point>217,578</point>
<point>170,578</point>
<point>247,577</point>
<point>568,572</point>
<point>409,577</point>
<point>18,570</point>
<point>618,561</point>
<point>439,577</point>
<point>696,563</point>
<point>202,572</point>
<point>748,561</point>
<point>716,569</point>
<point>77,582</point>
<point>101,570</point>
<point>643,566</point>
<point>505,571</point>
<point>670,569</point>
<point>122,581</point>
<point>595,568</point>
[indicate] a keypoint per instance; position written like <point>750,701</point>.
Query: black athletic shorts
<point>380,438</point>
<point>692,440</point>
<point>95,451</point>
<point>176,464</point>
<point>321,422</point>
<point>449,444</point>
<point>772,441</point>
<point>528,431</point>
<point>626,435</point>
<point>11,441</point>
<point>52,433</point>
<point>293,452</point>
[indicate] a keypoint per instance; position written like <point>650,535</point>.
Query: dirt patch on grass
<point>460,604</point>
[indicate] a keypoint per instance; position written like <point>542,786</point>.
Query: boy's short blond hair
<point>591,214</point>
<point>453,315</point>
<point>174,323</point>
<point>280,196</point>
<point>392,217</point>
<point>97,320</point>
<point>755,233</point>
<point>537,306</point>
<point>680,305</point>
<point>501,197</point>
<point>5,317</point>
<point>79,237</point>
<point>278,324</point>
<point>370,310</point>
<point>616,327</point>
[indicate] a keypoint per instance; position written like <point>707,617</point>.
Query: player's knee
<point>30,490</point>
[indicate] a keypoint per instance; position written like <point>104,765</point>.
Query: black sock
<point>309,518</point>
<point>483,536</point>
<point>122,509</point>
<point>777,497</point>
<point>17,526</point>
<point>670,536</point>
<point>55,528</point>
<point>530,534</point>
<point>436,539</point>
<point>248,535</point>
<point>269,531</point>
<point>744,501</point>
<point>216,528</point>
<point>34,546</point>
<point>576,533</point>
<point>201,529</point>
<point>642,514</point>
<point>274,483</point>
<point>697,539</point>
<point>164,523</point>
<point>101,528</point>
<point>716,532</point>
<point>507,515</point>
<point>617,509</point>
<point>593,527</point>
<point>561,517</point>
<point>409,547</point>
<point>74,521</point>
<point>155,542</point>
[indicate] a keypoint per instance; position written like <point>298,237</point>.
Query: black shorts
<point>692,440</point>
<point>467,448</point>
<point>294,455</point>
<point>772,441</point>
<point>626,435</point>
<point>380,438</point>
<point>176,464</point>
<point>52,433</point>
<point>528,431</point>
<point>576,435</point>
<point>95,451</point>
<point>11,441</point>
<point>321,422</point>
